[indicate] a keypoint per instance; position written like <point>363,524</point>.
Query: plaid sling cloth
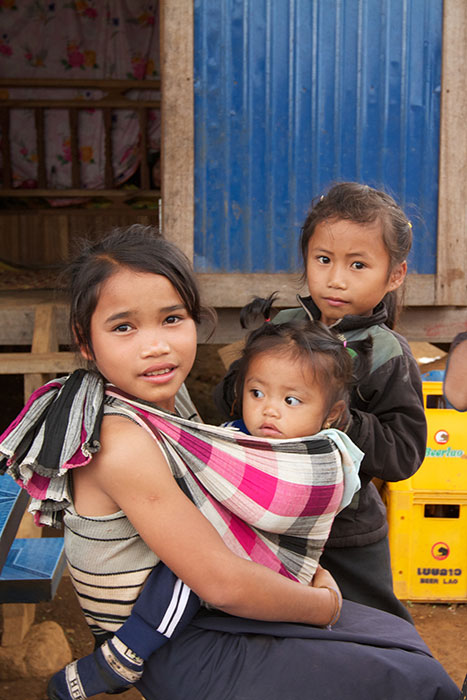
<point>272,501</point>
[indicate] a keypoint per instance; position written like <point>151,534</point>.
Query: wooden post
<point>40,147</point>
<point>108,149</point>
<point>451,288</point>
<point>177,126</point>
<point>6,155</point>
<point>74,148</point>
<point>143,148</point>
<point>44,340</point>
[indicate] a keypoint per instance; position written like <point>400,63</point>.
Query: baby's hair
<point>361,204</point>
<point>258,307</point>
<point>139,248</point>
<point>337,367</point>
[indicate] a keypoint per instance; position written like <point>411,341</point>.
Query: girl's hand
<point>323,579</point>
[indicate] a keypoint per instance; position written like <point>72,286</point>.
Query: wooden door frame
<point>451,286</point>
<point>177,122</point>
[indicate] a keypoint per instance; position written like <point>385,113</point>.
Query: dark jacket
<point>388,420</point>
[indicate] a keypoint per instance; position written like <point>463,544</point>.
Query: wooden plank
<point>40,147</point>
<point>74,103</point>
<point>98,84</point>
<point>419,290</point>
<point>236,290</point>
<point>452,220</point>
<point>25,362</point>
<point>432,324</point>
<point>6,155</point>
<point>10,248</point>
<point>74,148</point>
<point>17,309</point>
<point>77,192</point>
<point>55,239</point>
<point>44,340</point>
<point>143,148</point>
<point>177,125</point>
<point>108,148</point>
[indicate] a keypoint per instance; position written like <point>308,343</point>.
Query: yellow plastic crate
<point>428,542</point>
<point>427,513</point>
<point>445,464</point>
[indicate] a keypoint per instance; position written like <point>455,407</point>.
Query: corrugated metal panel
<point>293,94</point>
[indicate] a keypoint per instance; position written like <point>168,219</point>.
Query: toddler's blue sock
<point>111,667</point>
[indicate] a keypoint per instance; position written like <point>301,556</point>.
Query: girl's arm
<point>131,473</point>
<point>455,380</point>
<point>388,420</point>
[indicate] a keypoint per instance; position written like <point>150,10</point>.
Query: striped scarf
<point>272,501</point>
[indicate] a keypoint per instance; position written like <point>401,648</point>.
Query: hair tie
<point>345,343</point>
<point>266,320</point>
<point>410,224</point>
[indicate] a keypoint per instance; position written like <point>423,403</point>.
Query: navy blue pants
<point>368,655</point>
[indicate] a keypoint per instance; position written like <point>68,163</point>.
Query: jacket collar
<point>347,323</point>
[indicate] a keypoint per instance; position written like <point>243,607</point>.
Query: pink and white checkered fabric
<point>272,501</point>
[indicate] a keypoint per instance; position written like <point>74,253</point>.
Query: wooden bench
<point>30,568</point>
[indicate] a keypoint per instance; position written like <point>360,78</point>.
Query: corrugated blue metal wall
<point>293,94</point>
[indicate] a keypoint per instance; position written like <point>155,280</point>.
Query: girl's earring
<point>327,425</point>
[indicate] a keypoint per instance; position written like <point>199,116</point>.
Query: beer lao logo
<point>441,448</point>
<point>440,551</point>
<point>441,437</point>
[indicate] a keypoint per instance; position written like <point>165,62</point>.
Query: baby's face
<point>281,397</point>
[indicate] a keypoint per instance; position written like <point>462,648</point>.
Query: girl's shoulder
<point>286,315</point>
<point>120,437</point>
<point>387,344</point>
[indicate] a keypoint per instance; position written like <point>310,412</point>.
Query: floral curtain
<point>89,39</point>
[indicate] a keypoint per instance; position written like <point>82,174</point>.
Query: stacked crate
<point>427,513</point>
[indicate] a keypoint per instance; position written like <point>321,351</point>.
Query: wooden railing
<point>114,97</point>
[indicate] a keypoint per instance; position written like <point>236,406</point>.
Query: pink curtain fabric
<point>87,39</point>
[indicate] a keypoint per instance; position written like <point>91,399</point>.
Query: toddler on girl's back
<point>294,379</point>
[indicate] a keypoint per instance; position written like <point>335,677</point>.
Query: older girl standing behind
<point>355,242</point>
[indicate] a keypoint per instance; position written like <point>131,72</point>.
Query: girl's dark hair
<point>138,248</point>
<point>336,365</point>
<point>364,205</point>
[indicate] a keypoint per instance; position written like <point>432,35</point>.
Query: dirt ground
<point>443,627</point>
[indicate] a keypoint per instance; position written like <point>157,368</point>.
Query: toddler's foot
<point>110,668</point>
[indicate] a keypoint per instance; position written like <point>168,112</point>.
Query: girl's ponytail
<point>258,307</point>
